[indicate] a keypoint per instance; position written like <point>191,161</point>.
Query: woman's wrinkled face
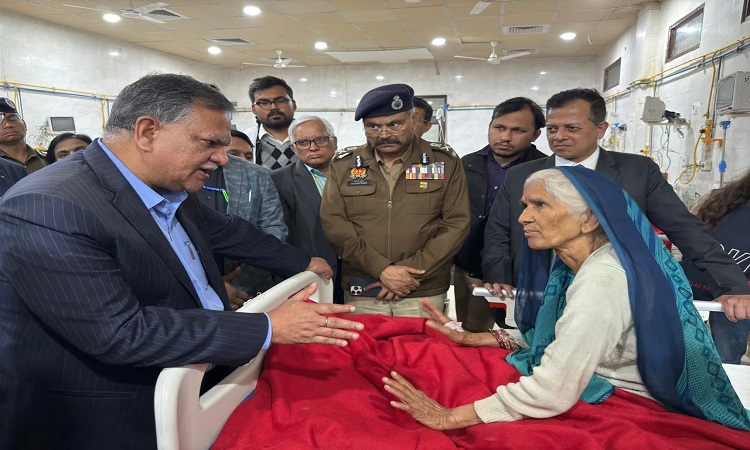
<point>547,222</point>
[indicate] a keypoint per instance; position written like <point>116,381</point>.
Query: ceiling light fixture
<point>251,10</point>
<point>303,79</point>
<point>380,77</point>
<point>534,88</point>
<point>111,18</point>
<point>543,72</point>
<point>320,45</point>
<point>458,77</point>
<point>214,50</point>
<point>114,53</point>
<point>438,41</point>
<point>568,36</point>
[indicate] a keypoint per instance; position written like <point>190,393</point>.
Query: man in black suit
<point>106,275</point>
<point>10,173</point>
<point>300,187</point>
<point>515,125</point>
<point>575,121</point>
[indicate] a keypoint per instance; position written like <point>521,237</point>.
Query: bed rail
<point>185,420</point>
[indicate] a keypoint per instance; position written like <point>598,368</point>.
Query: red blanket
<point>315,396</point>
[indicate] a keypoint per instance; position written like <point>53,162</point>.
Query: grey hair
<point>167,98</point>
<point>560,188</point>
<point>297,122</point>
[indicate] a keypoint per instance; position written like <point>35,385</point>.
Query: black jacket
<point>640,177</point>
<point>468,258</point>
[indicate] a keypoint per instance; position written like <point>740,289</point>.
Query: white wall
<point>45,54</point>
<point>643,52</point>
<point>40,53</point>
<point>482,86</point>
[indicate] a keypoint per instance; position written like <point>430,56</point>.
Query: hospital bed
<point>185,420</point>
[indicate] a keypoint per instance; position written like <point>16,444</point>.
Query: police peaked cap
<point>7,106</point>
<point>385,100</point>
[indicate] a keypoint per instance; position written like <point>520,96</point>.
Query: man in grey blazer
<point>575,121</point>
<point>300,186</point>
<point>106,275</point>
<point>244,189</point>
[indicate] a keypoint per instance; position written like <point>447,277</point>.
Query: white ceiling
<point>350,26</point>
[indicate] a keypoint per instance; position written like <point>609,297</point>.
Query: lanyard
<point>215,189</point>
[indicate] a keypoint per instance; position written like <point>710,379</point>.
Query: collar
<point>589,163</point>
<point>262,132</point>
<point>30,153</point>
<point>314,171</point>
<point>148,196</point>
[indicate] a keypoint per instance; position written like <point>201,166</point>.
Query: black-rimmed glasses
<point>266,104</point>
<point>320,141</point>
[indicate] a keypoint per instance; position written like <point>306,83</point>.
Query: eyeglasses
<point>266,104</point>
<point>320,141</point>
<point>395,127</point>
<point>10,117</point>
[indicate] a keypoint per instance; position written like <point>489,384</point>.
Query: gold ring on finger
<point>325,325</point>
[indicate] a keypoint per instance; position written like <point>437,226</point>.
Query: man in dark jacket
<point>516,124</point>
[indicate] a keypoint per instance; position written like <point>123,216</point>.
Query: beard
<point>276,120</point>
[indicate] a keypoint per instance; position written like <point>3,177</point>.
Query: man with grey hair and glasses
<point>106,275</point>
<point>300,187</point>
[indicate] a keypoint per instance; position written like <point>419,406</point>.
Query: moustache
<point>387,141</point>
<point>209,167</point>
<point>276,112</point>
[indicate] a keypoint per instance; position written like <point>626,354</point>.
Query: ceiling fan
<point>493,58</point>
<point>483,4</point>
<point>128,13</point>
<point>280,63</point>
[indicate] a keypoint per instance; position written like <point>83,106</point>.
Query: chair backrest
<point>186,420</point>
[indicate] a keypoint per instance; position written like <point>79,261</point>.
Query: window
<point>612,75</point>
<point>685,35</point>
<point>746,10</point>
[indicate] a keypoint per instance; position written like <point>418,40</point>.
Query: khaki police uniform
<point>415,215</point>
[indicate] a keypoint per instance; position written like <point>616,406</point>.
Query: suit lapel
<point>606,165</point>
<point>130,205</point>
<point>304,179</point>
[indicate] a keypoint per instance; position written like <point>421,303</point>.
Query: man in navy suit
<point>575,121</point>
<point>10,172</point>
<point>106,275</point>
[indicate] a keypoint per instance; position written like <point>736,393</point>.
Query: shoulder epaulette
<point>343,153</point>
<point>444,148</point>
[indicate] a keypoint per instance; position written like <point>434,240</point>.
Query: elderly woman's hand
<point>427,411</point>
<point>466,338</point>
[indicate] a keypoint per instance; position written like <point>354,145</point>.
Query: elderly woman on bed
<point>614,310</point>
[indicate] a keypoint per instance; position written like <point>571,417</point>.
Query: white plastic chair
<point>185,420</point>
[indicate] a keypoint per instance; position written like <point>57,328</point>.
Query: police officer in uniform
<point>396,209</point>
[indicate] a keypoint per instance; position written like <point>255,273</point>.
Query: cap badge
<point>397,103</point>
<point>10,103</point>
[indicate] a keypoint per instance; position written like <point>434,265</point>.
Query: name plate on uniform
<point>358,182</point>
<point>434,171</point>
